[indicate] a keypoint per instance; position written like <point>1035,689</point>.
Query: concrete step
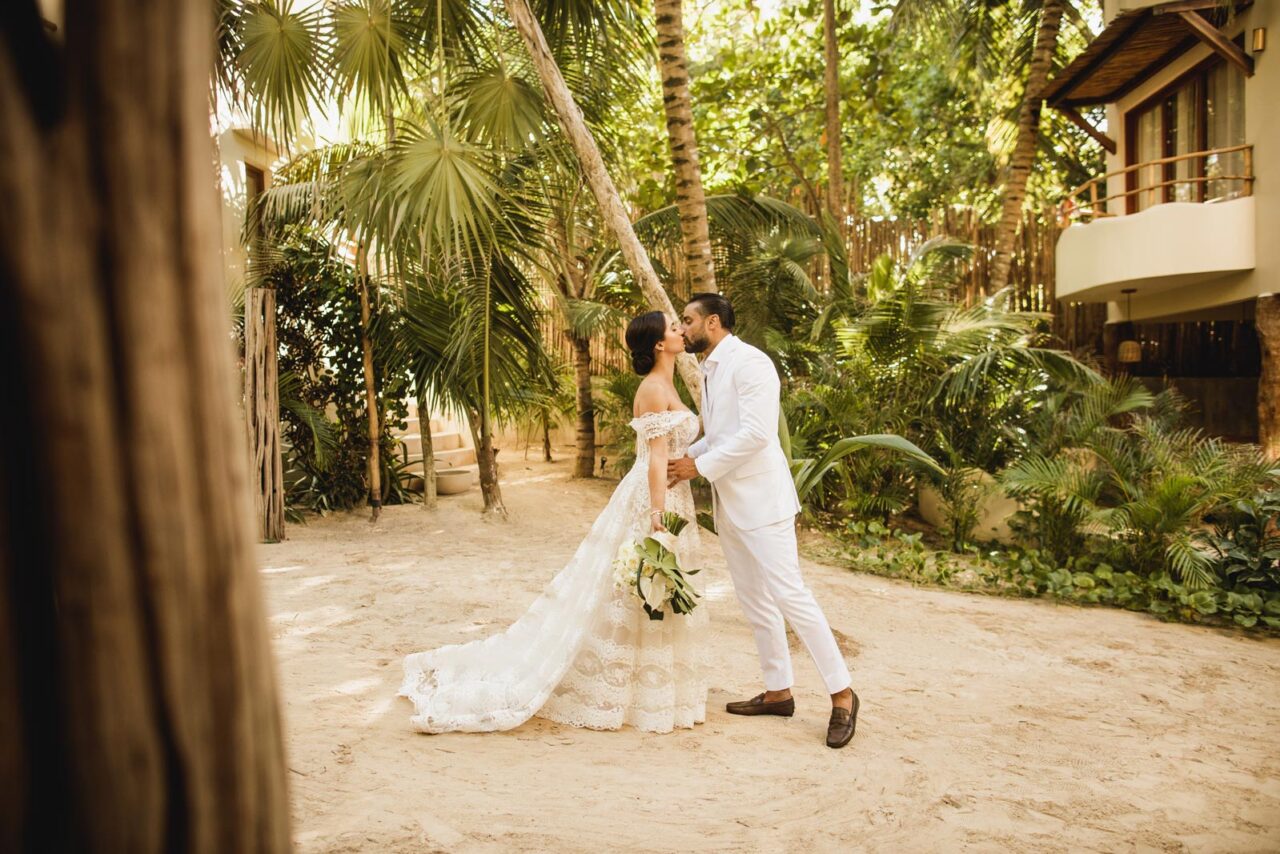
<point>414,419</point>
<point>412,426</point>
<point>457,458</point>
<point>439,442</point>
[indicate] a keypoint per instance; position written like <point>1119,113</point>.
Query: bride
<point>585,653</point>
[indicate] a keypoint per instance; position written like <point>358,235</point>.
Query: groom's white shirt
<point>739,451</point>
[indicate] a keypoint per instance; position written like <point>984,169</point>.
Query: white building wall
<point>1262,130</point>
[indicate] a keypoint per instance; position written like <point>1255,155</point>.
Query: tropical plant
<point>1018,42</point>
<point>1150,485</point>
<point>1245,542</point>
<point>960,382</point>
<point>324,417</point>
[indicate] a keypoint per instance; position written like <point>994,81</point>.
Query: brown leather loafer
<point>840,729</point>
<point>757,706</point>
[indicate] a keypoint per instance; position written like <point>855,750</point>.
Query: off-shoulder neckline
<point>663,412</point>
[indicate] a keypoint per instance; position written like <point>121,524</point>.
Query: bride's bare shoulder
<point>649,399</point>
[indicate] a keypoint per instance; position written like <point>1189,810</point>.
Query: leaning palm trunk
<point>585,465</point>
<point>137,688</point>
<point>1024,151</point>
<point>262,411</point>
<point>695,235</point>
<point>602,187</point>
<point>370,389</point>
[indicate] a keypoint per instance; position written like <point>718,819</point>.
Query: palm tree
<point>1024,150</point>
<point>835,169</point>
<point>469,333</point>
<point>988,37</point>
<point>440,186</point>
<point>592,164</point>
<point>573,270</point>
<point>137,689</point>
<point>690,199</point>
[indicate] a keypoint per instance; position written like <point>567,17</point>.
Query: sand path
<point>987,724</point>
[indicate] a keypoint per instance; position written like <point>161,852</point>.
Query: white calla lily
<point>653,589</point>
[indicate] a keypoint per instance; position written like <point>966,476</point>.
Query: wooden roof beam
<point>1083,74</point>
<point>1180,6</point>
<point>1081,122</point>
<point>1224,47</point>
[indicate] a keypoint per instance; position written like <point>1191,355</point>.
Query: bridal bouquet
<point>649,569</point>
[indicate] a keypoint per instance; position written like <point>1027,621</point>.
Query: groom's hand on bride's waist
<point>680,469</point>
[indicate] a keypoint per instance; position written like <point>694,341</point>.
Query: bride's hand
<point>655,523</point>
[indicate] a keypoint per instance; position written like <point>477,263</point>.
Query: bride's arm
<point>650,401</point>
<point>657,480</point>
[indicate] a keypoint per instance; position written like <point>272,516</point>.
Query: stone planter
<point>452,481</point>
<point>994,511</point>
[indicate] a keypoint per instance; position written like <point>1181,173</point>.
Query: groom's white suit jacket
<point>739,451</point>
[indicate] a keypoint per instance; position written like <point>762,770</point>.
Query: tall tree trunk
<point>1267,323</point>
<point>137,688</point>
<point>487,460</point>
<point>262,411</point>
<point>585,464</point>
<point>370,388</point>
<point>430,497</point>
<point>691,202</point>
<point>602,187</point>
<point>1024,151</point>
<point>546,439</point>
<point>835,167</point>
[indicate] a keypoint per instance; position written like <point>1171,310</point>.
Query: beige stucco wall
<point>236,147</point>
<point>1262,130</point>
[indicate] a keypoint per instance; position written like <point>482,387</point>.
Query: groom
<point>755,507</point>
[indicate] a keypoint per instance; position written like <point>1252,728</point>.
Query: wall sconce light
<point>1259,39</point>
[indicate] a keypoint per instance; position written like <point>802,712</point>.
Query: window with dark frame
<point>1200,111</point>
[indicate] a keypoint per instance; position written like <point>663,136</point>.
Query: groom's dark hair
<point>709,304</point>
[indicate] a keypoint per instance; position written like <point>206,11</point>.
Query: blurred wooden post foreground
<point>138,703</point>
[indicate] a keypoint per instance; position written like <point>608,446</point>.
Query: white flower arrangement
<point>650,570</point>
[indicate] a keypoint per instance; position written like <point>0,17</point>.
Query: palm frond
<point>282,60</point>
<point>808,474</point>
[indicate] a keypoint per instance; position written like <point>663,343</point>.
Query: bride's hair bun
<point>642,363</point>
<point>643,334</point>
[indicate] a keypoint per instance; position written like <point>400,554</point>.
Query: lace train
<point>584,653</point>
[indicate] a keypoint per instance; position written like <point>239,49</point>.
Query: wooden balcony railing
<point>1089,202</point>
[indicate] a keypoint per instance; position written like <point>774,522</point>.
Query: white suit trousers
<point>765,568</point>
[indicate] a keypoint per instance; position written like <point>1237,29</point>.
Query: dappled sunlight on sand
<point>986,724</point>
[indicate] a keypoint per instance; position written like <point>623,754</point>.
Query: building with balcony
<point>1181,234</point>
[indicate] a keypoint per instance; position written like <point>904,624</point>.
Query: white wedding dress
<point>584,653</point>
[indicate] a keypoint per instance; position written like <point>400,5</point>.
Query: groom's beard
<point>695,345</point>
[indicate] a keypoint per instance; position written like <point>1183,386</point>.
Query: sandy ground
<point>986,724</point>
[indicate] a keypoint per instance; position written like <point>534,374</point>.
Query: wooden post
<point>370,385</point>
<point>137,685</point>
<point>262,411</point>
<point>1267,323</point>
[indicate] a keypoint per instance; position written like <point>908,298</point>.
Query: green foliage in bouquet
<point>660,578</point>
